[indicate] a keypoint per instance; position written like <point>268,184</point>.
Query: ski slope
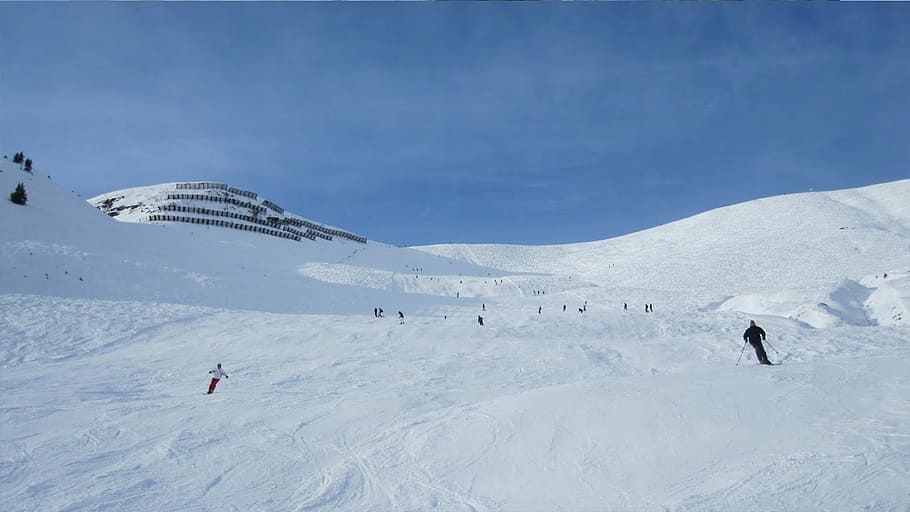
<point>330,408</point>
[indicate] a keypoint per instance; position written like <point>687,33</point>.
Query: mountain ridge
<point>835,227</point>
<point>798,253</point>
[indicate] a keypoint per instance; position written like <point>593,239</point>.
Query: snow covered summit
<point>207,251</point>
<point>213,204</point>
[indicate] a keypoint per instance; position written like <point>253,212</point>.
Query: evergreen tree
<point>17,158</point>
<point>28,165</point>
<point>18,196</point>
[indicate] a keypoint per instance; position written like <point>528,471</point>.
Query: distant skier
<point>483,307</point>
<point>625,306</point>
<point>217,373</point>
<point>376,312</point>
<point>539,309</point>
<point>754,335</point>
<point>563,307</point>
<point>400,317</point>
<point>380,312</point>
<point>480,320</point>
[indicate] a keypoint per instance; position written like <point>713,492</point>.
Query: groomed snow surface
<point>108,329</point>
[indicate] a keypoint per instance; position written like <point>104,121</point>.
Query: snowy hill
<point>562,400</point>
<point>214,204</point>
<point>59,245</point>
<point>815,257</point>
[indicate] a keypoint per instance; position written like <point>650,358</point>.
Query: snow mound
<point>889,302</point>
<point>875,300</point>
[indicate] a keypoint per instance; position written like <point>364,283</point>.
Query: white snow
<point>107,330</point>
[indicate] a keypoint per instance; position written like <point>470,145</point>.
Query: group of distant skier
<point>377,312</point>
<point>754,335</point>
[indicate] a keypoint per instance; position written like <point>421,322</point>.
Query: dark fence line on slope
<point>271,222</point>
<point>227,224</point>
<point>215,199</point>
<point>318,230</point>
<point>220,186</point>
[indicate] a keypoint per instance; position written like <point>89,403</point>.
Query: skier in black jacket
<point>754,335</point>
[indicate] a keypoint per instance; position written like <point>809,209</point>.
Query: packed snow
<point>562,400</point>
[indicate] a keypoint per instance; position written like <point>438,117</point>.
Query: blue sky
<point>420,123</point>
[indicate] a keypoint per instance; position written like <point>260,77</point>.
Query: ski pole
<point>772,347</point>
<point>741,353</point>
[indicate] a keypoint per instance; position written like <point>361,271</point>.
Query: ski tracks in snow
<point>397,466</point>
<point>823,479</point>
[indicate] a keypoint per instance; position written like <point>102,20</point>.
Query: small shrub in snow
<point>18,196</point>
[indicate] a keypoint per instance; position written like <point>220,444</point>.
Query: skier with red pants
<point>217,373</point>
<point>754,335</point>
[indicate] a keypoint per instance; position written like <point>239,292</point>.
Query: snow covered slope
<point>816,257</point>
<point>562,400</point>
<point>214,204</point>
<point>61,246</point>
